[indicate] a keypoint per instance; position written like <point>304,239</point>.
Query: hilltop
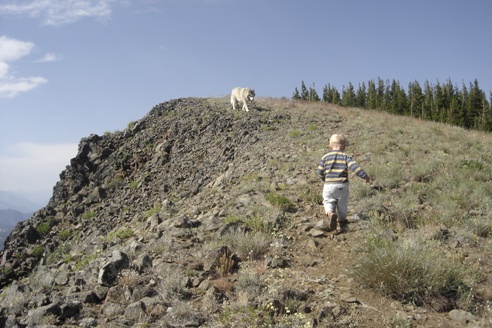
<point>200,216</point>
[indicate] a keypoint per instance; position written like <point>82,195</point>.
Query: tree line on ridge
<point>467,107</point>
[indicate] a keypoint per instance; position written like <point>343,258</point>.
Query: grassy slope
<point>432,188</point>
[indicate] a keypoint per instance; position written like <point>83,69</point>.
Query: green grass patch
<point>43,228</point>
<point>280,201</point>
<point>295,134</point>
<point>84,261</point>
<point>89,215</point>
<point>152,211</point>
<point>37,250</point>
<point>123,233</point>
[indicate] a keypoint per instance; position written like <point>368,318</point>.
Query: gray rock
<point>136,312</point>
<point>461,317</point>
<point>109,272</point>
<point>323,225</point>
<point>35,316</point>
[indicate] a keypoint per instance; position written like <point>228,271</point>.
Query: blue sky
<point>70,68</point>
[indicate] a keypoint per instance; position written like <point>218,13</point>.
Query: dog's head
<point>251,95</point>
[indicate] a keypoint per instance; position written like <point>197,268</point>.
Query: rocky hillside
<point>198,216</point>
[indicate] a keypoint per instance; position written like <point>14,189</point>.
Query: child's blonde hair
<point>338,140</point>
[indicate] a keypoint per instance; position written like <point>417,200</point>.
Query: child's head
<point>338,142</point>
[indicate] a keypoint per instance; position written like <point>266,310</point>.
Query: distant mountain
<point>18,202</point>
<point>8,220</point>
<point>14,207</point>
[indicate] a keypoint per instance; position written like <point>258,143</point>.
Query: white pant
<point>335,197</point>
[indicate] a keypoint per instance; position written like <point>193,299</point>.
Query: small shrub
<point>267,127</point>
<point>280,201</point>
<point>83,262</point>
<point>481,227</point>
<point>59,253</point>
<point>389,175</point>
<point>250,282</point>
<point>225,264</point>
<point>152,211</point>
<point>312,196</point>
<point>409,270</point>
<point>173,285</point>
<point>129,278</point>
<point>257,224</point>
<point>43,228</point>
<point>312,127</point>
<point>123,233</point>
<point>116,183</point>
<point>248,245</point>
<point>49,320</point>
<point>89,215</point>
<point>64,234</point>
<point>133,185</point>
<point>37,250</point>
<point>471,164</point>
<point>295,134</point>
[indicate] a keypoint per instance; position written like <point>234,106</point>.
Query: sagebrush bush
<point>173,285</point>
<point>249,281</point>
<point>410,270</point>
<point>248,245</point>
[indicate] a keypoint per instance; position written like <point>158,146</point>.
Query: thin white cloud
<point>10,85</point>
<point>34,168</point>
<point>10,88</point>
<point>59,12</point>
<point>50,57</point>
<point>12,49</point>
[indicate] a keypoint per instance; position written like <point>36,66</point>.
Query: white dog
<point>243,95</point>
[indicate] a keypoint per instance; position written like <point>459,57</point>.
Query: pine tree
<point>380,94</point>
<point>295,95</point>
<point>450,103</point>
<point>304,92</point>
<point>372,101</point>
<point>313,95</point>
<point>474,106</point>
<point>327,94</point>
<point>387,97</point>
<point>336,96</point>
<point>441,103</point>
<point>488,121</point>
<point>464,111</point>
<point>428,102</point>
<point>415,98</point>
<point>361,97</point>
<point>348,96</point>
<point>399,99</point>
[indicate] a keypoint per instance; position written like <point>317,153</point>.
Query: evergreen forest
<point>467,107</point>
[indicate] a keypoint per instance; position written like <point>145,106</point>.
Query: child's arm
<point>321,170</point>
<point>354,167</point>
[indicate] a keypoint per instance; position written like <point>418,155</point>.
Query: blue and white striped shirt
<point>334,167</point>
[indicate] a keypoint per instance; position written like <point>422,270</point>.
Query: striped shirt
<point>334,167</point>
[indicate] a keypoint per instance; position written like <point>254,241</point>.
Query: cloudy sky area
<point>70,68</point>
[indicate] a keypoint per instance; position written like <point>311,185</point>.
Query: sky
<point>71,68</point>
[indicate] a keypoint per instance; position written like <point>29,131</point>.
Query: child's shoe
<point>333,220</point>
<point>342,227</point>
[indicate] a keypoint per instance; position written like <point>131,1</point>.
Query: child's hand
<point>368,179</point>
